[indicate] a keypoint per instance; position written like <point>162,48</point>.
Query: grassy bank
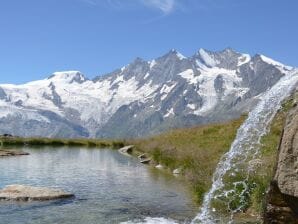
<point>56,142</point>
<point>269,152</point>
<point>195,150</point>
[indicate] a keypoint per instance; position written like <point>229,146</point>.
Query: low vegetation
<point>269,152</point>
<point>17,141</point>
<point>258,182</point>
<point>196,151</point>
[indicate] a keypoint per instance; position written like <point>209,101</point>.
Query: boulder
<point>282,197</point>
<point>159,166</point>
<point>287,166</point>
<point>145,160</point>
<point>142,156</point>
<point>29,193</point>
<point>177,171</point>
<point>126,149</point>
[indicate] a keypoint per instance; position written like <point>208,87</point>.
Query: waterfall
<point>235,165</point>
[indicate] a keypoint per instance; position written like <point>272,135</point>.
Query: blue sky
<point>39,37</point>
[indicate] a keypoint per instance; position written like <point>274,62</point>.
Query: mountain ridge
<point>142,98</point>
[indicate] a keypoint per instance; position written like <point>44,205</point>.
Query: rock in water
<point>126,149</point>
<point>29,193</point>
<point>12,153</point>
<point>177,171</point>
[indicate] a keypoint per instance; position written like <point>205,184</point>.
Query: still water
<point>109,188</point>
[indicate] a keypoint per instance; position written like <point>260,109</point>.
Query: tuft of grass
<point>196,150</point>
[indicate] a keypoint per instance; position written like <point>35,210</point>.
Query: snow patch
<point>180,56</point>
<point>275,63</point>
<point>166,89</point>
<point>152,64</point>
<point>245,58</point>
<point>170,113</point>
<point>207,58</point>
<point>68,76</point>
<point>191,106</point>
<point>123,68</point>
<point>189,76</point>
<point>147,75</point>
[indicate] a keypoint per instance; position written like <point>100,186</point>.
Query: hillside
<point>195,150</point>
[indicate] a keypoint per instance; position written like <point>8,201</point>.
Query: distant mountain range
<point>140,99</point>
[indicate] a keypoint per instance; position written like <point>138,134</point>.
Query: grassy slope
<point>196,150</point>
<point>260,180</point>
<point>269,153</point>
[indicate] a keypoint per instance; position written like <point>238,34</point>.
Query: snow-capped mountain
<point>142,98</point>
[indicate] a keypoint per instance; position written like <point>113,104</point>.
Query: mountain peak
<point>229,50</point>
<point>273,62</point>
<point>207,57</point>
<point>175,53</point>
<point>69,76</point>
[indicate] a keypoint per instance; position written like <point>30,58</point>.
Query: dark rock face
<point>281,208</point>
<point>282,198</point>
<point>3,95</point>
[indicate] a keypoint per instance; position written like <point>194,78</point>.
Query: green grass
<point>269,153</point>
<point>55,142</point>
<point>196,150</point>
<point>259,181</point>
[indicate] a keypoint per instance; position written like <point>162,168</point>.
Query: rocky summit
<point>140,99</point>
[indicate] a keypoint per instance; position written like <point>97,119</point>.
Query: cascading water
<point>230,187</point>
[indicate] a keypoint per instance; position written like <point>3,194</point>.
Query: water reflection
<point>109,188</point>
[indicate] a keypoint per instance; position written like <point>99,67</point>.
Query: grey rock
<point>282,197</point>
<point>177,171</point>
<point>126,149</point>
<point>29,193</point>
<point>145,161</point>
<point>287,166</point>
<point>10,152</point>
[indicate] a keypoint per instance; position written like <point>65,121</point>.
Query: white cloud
<point>166,6</point>
<point>90,2</point>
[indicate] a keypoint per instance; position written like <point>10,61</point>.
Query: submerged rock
<point>12,153</point>
<point>29,193</point>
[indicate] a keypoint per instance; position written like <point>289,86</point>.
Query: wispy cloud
<point>90,2</point>
<point>165,6</point>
